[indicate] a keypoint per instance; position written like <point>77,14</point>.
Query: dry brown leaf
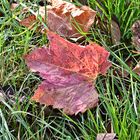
<point>115,32</point>
<point>66,19</point>
<point>63,18</point>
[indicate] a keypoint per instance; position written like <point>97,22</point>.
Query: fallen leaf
<point>65,18</point>
<point>115,32</point>
<point>136,35</point>
<point>68,70</point>
<point>106,136</point>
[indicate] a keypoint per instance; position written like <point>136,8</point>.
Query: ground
<point>119,107</point>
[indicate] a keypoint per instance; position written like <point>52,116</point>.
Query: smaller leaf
<point>115,32</point>
<point>64,18</point>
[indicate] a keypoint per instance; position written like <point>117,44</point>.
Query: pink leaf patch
<point>73,98</point>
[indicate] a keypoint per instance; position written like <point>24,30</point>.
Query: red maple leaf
<point>64,18</point>
<point>68,70</point>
